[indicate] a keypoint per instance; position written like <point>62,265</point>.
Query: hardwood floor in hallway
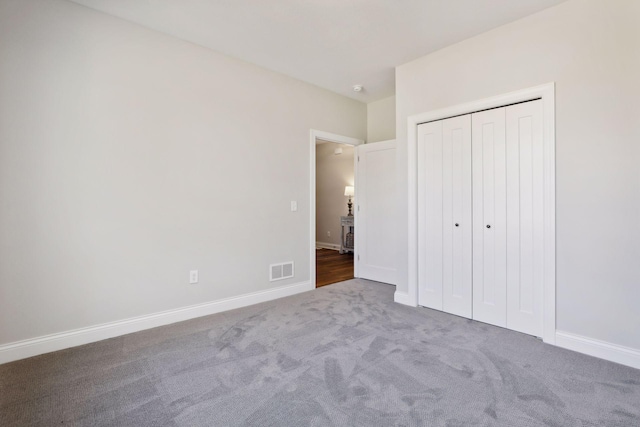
<point>332,267</point>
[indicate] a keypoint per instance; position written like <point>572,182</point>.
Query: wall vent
<point>280,271</point>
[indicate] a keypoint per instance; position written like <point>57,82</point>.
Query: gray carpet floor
<point>342,355</point>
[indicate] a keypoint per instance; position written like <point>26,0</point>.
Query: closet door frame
<point>544,92</point>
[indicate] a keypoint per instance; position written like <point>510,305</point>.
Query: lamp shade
<point>348,191</point>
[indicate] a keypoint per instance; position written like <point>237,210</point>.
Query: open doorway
<point>333,221</point>
<point>335,228</point>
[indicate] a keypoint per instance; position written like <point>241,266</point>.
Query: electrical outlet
<point>294,206</point>
<point>193,277</point>
<point>328,234</point>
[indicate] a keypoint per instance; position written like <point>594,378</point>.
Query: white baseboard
<point>402,298</point>
<point>59,341</point>
<point>601,349</point>
<point>323,245</point>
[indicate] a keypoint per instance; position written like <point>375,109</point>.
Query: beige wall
<point>333,173</point>
<point>128,158</point>
<point>381,120</point>
<point>591,49</point>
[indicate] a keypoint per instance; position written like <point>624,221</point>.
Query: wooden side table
<point>346,222</point>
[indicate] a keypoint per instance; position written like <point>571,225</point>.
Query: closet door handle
<point>457,225</point>
<point>488,226</point>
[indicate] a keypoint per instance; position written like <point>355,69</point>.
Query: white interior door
<point>444,204</point>
<point>489,217</point>
<point>376,211</point>
<point>525,230</point>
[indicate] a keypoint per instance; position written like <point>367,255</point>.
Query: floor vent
<point>281,271</point>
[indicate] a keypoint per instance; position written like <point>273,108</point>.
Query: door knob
<point>488,226</point>
<point>457,224</point>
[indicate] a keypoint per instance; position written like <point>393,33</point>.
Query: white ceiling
<point>333,44</point>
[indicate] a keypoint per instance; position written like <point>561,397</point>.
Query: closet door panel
<point>457,281</point>
<point>430,216</point>
<point>524,217</point>
<point>489,217</point>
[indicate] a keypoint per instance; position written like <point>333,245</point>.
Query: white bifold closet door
<point>480,216</point>
<point>508,217</point>
<point>444,209</point>
<point>490,217</point>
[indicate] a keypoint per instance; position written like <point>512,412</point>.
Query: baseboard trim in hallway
<point>59,341</point>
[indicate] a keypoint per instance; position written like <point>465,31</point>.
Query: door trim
<point>314,135</point>
<point>546,93</point>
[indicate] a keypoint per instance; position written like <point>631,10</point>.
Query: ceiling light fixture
<point>357,88</point>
